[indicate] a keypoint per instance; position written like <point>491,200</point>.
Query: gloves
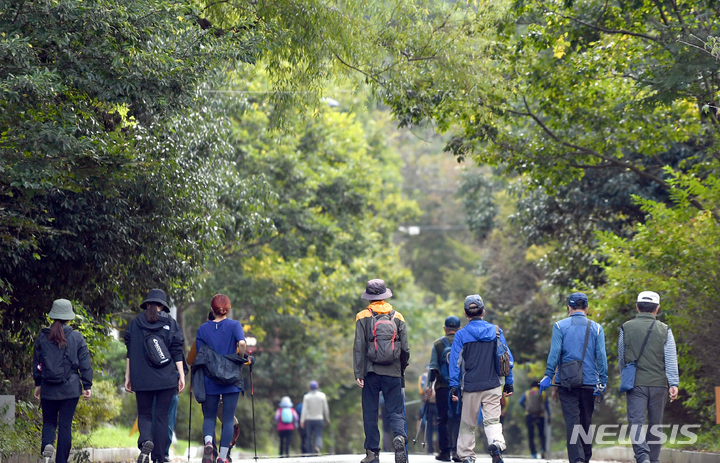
<point>453,392</point>
<point>599,389</point>
<point>545,383</point>
<point>508,389</point>
<point>433,375</point>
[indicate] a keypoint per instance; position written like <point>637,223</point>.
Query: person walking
<point>448,414</point>
<point>287,420</point>
<point>474,358</point>
<point>380,355</point>
<point>535,404</point>
<point>651,345</point>
<point>217,376</point>
<point>315,411</point>
<point>62,373</point>
<point>577,350</point>
<point>154,371</point>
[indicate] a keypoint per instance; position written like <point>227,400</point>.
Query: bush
<point>102,407</point>
<point>24,437</point>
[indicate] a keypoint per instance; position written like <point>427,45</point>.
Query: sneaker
<point>145,451</point>
<point>317,450</point>
<point>443,456</point>
<point>495,453</point>
<point>208,454</point>
<point>220,460</point>
<point>230,447</point>
<point>455,457</point>
<point>469,460</point>
<point>48,453</point>
<point>371,457</point>
<point>400,452</point>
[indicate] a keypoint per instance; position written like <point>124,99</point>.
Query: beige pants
<point>489,402</point>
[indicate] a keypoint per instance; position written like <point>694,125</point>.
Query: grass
<point>113,437</point>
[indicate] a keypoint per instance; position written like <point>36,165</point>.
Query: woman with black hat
<point>154,371</point>
<point>62,373</point>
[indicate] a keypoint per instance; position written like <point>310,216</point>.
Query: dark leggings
<point>285,438</point>
<point>58,416</point>
<point>210,411</point>
<point>157,430</point>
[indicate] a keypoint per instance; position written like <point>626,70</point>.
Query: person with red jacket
<point>287,421</point>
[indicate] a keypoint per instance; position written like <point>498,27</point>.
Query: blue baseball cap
<point>578,300</point>
<point>452,322</point>
<point>474,298</point>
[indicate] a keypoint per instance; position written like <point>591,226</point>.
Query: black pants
<point>391,388</point>
<point>58,416</point>
<point>285,438</point>
<point>577,407</point>
<point>448,420</point>
<point>156,431</point>
<point>532,422</point>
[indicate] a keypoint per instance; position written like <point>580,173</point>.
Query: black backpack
<point>55,364</point>
<point>384,345</point>
<point>156,351</point>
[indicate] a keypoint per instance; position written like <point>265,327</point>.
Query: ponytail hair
<point>151,312</point>
<point>57,335</point>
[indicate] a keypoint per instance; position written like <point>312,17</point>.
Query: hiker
<point>287,420</point>
<point>236,425</point>
<point>431,414</point>
<point>154,371</point>
<point>474,358</point>
<point>380,355</point>
<point>656,373</point>
<point>314,412</point>
<point>577,351</point>
<point>535,404</point>
<point>448,413</point>
<point>62,373</point>
<point>217,376</point>
<point>301,431</point>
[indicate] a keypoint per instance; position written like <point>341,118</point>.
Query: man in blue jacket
<point>474,368</point>
<point>578,401</point>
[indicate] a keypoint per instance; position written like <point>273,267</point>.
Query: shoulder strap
<point>497,332</point>
<point>645,341</point>
<point>587,336</point>
<point>445,341</point>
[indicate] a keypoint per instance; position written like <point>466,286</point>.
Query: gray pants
<point>642,401</point>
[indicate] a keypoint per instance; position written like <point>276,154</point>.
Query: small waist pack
<point>156,351</point>
<point>627,375</point>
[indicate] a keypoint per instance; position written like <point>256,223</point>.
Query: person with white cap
<point>62,372</point>
<point>650,344</point>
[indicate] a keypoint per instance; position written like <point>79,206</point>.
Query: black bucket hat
<point>158,296</point>
<point>375,290</point>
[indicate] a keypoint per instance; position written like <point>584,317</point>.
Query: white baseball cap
<point>649,296</point>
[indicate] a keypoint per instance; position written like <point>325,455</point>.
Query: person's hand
<point>428,392</point>
<point>454,394</point>
<point>545,383</point>
<point>302,425</point>
<point>37,392</point>
<point>360,382</point>
<point>181,383</point>
<point>127,385</point>
<point>87,393</point>
<point>599,390</point>
<point>673,393</point>
<point>508,389</point>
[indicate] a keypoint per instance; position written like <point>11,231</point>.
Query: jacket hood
<point>380,307</point>
<point>163,319</point>
<point>481,330</point>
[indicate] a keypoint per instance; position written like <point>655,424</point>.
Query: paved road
<point>385,457</point>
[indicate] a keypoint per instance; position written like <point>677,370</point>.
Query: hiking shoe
<point>48,453</point>
<point>208,454</point>
<point>145,451</point>
<point>455,457</point>
<point>400,453</point>
<point>469,460</point>
<point>371,457</point>
<point>495,453</point>
<point>443,456</point>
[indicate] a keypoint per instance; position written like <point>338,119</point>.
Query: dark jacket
<point>143,376</point>
<point>474,362</point>
<point>363,324</point>
<point>78,359</point>
<point>223,369</point>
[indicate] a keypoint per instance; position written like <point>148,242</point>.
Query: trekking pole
<point>189,420</point>
<point>420,426</point>
<point>252,401</point>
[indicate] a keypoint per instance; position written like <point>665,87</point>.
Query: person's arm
<point>303,413</point>
<point>509,377</point>
<point>601,356</point>
<point>555,349</point>
<point>86,371</point>
<point>453,369</point>
<point>522,400</point>
<point>359,354</point>
<point>36,372</point>
<point>404,346</point>
<point>240,336</point>
<point>671,365</point>
<point>621,349</point>
<point>127,374</point>
<point>326,409</point>
<point>193,353</point>
<point>181,375</point>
